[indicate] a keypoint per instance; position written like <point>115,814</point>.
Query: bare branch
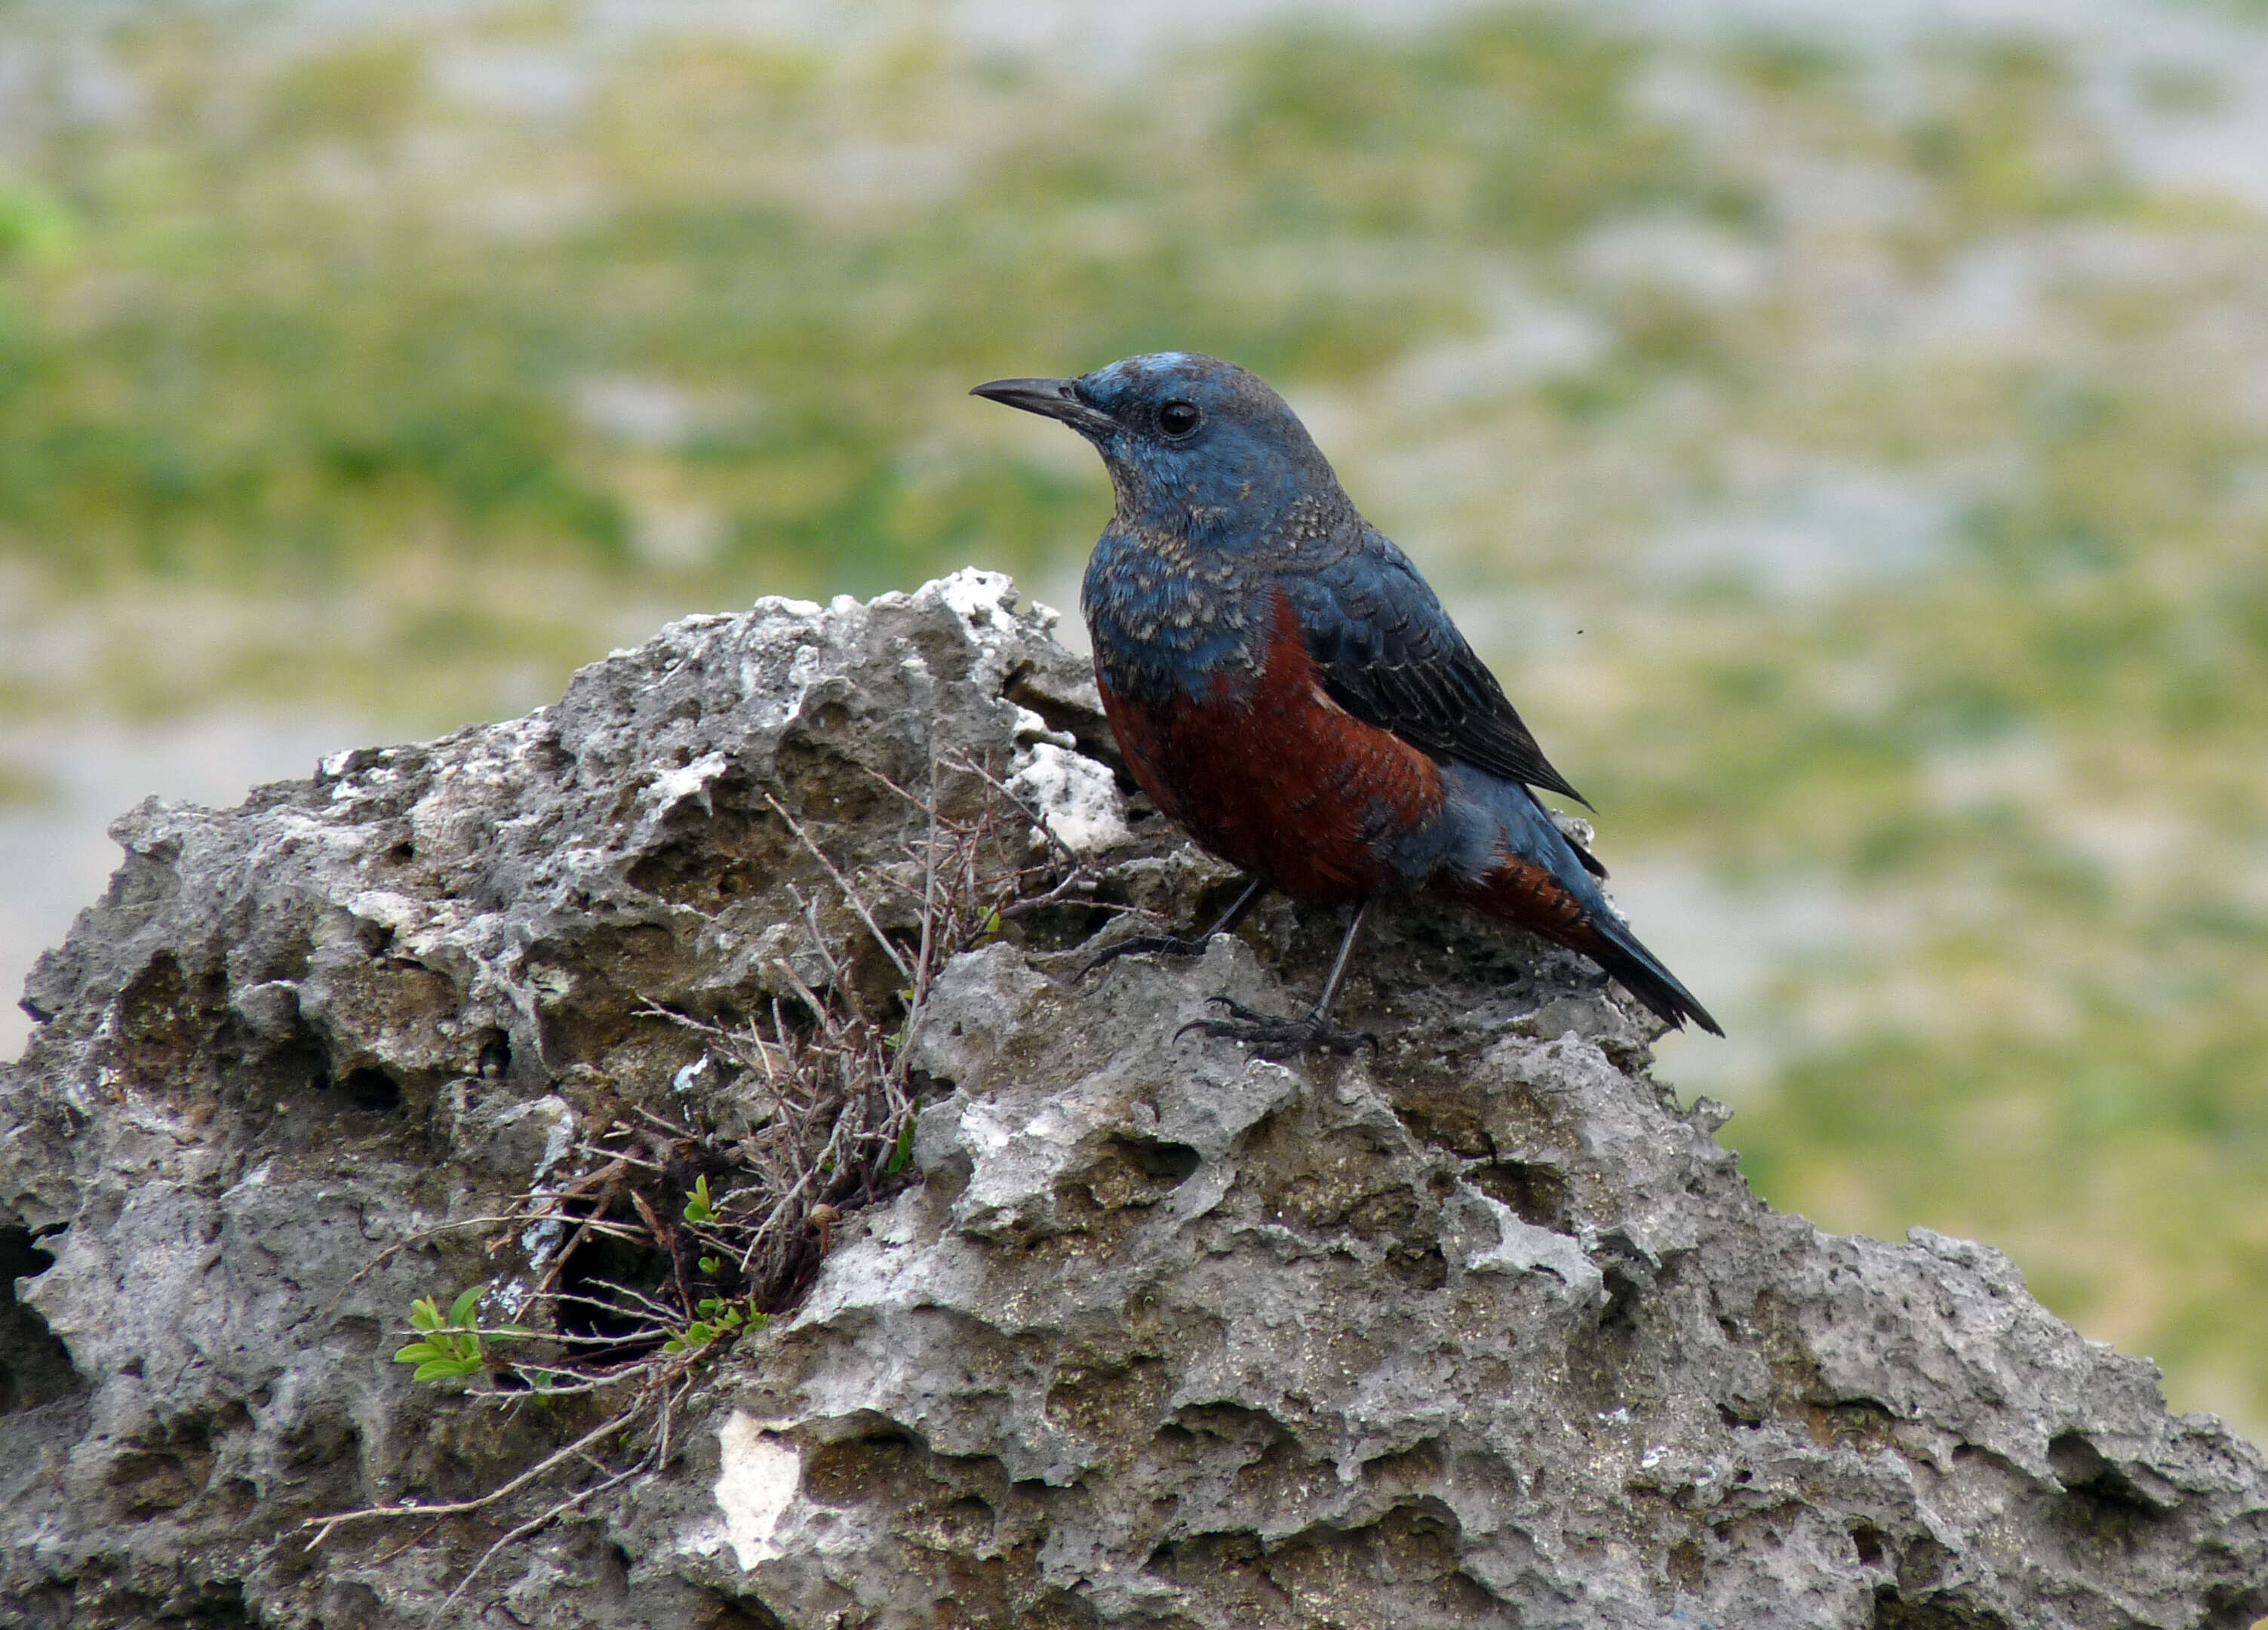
<point>534,1525</point>
<point>850,893</point>
<point>324,1525</point>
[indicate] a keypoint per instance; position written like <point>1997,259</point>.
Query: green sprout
<point>700,1209</point>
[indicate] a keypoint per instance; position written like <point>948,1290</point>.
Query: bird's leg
<point>1285,1038</point>
<point>1174,945</point>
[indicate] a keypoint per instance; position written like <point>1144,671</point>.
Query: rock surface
<point>1479,1330</point>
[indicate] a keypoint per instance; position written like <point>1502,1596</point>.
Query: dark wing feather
<point>1390,656</point>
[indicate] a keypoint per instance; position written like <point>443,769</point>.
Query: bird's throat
<point>1164,621</point>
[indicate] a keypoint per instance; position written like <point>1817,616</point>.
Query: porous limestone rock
<point>1480,1328</point>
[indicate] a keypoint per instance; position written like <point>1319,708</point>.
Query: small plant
<point>452,1347</point>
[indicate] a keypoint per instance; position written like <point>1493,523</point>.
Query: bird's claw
<point>1272,1037</point>
<point>1143,944</point>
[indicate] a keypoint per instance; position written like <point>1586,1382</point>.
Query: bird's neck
<point>1256,519</point>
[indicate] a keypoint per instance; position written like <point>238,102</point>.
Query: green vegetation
<point>1857,472</point>
<point>719,1318</point>
<point>451,1347</point>
<point>454,1346</point>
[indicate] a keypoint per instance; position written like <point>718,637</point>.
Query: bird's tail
<point>1534,877</point>
<point>1617,950</point>
<point>1569,912</point>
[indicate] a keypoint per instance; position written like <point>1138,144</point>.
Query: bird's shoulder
<point>1387,652</point>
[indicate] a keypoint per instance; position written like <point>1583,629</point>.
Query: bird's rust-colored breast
<point>1280,781</point>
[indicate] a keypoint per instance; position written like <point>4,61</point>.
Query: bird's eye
<point>1178,420</point>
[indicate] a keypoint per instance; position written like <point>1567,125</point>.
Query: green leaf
<point>674,1344</point>
<point>903,1156</point>
<point>710,1264</point>
<point>425,1314</point>
<point>462,1311</point>
<point>445,1369</point>
<point>417,1353</point>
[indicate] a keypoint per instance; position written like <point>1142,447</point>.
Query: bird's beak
<point>1053,399</point>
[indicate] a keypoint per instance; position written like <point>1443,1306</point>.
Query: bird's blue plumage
<point>1286,684</point>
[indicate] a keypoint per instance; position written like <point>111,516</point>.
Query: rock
<point>1480,1328</point>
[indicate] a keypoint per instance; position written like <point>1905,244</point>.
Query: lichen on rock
<point>1480,1328</point>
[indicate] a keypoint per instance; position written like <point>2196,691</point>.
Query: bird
<point>1286,687</point>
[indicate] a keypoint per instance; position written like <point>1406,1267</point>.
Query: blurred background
<point>1845,430</point>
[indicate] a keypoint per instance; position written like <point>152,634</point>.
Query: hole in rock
<point>1167,1163</point>
<point>215,1604</point>
<point>2100,1499</point>
<point>372,1090</point>
<point>592,1281</point>
<point>736,1613</point>
<point>35,1366</point>
<point>1868,1544</point>
<point>2076,1461</point>
<point>1619,1317</point>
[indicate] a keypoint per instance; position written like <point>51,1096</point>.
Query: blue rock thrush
<point>1285,686</point>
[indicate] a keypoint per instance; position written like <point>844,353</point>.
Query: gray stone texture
<point>1480,1328</point>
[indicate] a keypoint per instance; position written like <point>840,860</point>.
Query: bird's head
<point>1195,445</point>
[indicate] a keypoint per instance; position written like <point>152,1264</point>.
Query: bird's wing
<point>1390,656</point>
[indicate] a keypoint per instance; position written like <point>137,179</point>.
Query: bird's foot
<point>1278,1038</point>
<point>1144,945</point>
